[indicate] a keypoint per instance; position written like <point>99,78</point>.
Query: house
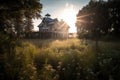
<point>52,28</point>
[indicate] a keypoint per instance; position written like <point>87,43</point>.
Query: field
<point>75,59</point>
<point>71,59</point>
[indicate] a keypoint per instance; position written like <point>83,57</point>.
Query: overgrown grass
<point>70,59</point>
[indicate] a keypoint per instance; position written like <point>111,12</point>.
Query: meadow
<point>71,59</point>
<point>75,59</point>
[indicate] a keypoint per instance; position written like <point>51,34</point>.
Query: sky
<point>57,8</point>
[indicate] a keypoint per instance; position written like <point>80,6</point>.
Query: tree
<point>15,19</point>
<point>92,17</point>
<point>114,16</point>
<point>15,12</point>
<point>99,19</point>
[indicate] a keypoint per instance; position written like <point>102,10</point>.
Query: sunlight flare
<point>69,16</point>
<point>80,19</point>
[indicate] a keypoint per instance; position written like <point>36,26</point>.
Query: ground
<point>75,59</point>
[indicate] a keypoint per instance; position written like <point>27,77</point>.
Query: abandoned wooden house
<point>52,28</point>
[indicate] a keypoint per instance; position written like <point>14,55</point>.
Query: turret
<point>47,15</point>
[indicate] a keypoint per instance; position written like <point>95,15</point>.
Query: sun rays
<point>81,19</point>
<point>69,16</point>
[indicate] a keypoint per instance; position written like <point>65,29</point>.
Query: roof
<point>47,14</point>
<point>48,21</point>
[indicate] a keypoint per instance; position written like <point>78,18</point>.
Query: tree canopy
<point>99,18</point>
<point>16,15</point>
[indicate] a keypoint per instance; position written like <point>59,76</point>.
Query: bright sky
<point>62,9</point>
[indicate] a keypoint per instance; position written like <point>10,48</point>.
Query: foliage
<point>76,60</point>
<point>98,19</point>
<point>19,64</point>
<point>16,15</point>
<point>62,60</point>
<point>16,20</point>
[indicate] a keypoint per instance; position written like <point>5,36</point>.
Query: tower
<point>47,15</point>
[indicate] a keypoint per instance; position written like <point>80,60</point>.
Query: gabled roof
<point>48,20</point>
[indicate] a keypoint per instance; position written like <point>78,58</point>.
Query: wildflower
<point>58,67</point>
<point>76,68</point>
<point>53,70</point>
<point>21,78</point>
<point>73,60</point>
<point>31,77</point>
<point>60,63</point>
<point>68,64</point>
<point>78,74</point>
<point>34,68</point>
<point>78,63</point>
<point>56,77</point>
<point>63,69</point>
<point>48,67</point>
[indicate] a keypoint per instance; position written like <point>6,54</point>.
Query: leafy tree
<point>14,13</point>
<point>15,20</point>
<point>92,17</point>
<point>114,16</point>
<point>98,19</point>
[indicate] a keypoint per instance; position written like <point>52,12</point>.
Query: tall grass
<point>73,59</point>
<point>70,59</point>
<point>67,58</point>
